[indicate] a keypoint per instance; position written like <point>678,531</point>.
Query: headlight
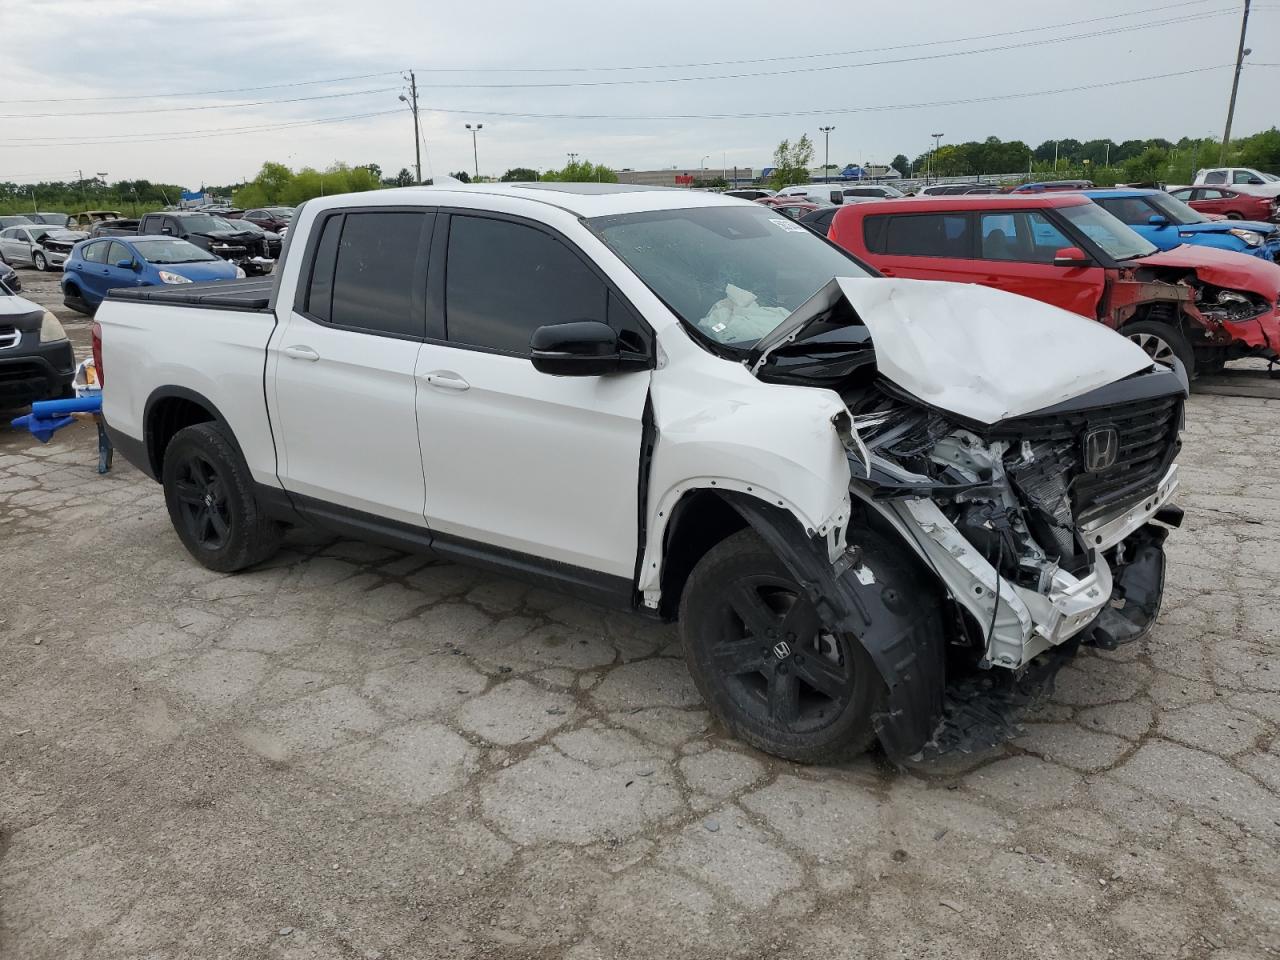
<point>240,274</point>
<point>51,328</point>
<point>167,277</point>
<point>1251,237</point>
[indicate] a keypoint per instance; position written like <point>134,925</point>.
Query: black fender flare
<point>172,392</point>
<point>909,656</point>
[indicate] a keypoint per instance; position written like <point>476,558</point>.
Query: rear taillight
<point>96,333</point>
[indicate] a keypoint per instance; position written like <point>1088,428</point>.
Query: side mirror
<point>837,196</point>
<point>126,264</point>
<point>1157,220</point>
<point>168,230</point>
<point>1071,257</point>
<point>579,348</point>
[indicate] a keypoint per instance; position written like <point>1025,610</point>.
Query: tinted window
<point>1242,176</point>
<point>504,280</point>
<point>929,235</point>
<point>1022,235</point>
<point>117,252</point>
<point>375,276</point>
<point>1130,210</point>
<point>1216,177</point>
<point>319,301</point>
<point>96,252</point>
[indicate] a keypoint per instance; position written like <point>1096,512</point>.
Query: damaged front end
<point>1044,526</point>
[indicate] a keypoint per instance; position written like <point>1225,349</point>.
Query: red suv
<point>1232,204</point>
<point>1196,305</point>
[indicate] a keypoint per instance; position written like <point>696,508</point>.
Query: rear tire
<point>209,493</point>
<point>768,668</point>
<point>1164,344</point>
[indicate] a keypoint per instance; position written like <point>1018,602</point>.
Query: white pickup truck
<point>1246,178</point>
<point>853,492</point>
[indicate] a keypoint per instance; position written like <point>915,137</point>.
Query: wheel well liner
<point>699,520</point>
<point>170,409</point>
<point>910,659</point>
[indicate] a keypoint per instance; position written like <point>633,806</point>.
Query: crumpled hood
<point>1223,268</point>
<point>977,352</point>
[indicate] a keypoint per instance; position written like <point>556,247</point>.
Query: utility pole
<point>1055,156</point>
<point>826,153</point>
<point>412,101</point>
<point>475,151</point>
<point>1241,52</point>
<point>937,143</point>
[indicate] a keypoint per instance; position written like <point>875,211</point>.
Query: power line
<point>207,106</point>
<point>188,134</point>
<point>669,66</point>
<point>203,93</point>
<point>1192,18</point>
<point>829,110</point>
<point>811,56</point>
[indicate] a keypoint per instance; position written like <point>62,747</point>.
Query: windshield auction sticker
<point>790,226</point>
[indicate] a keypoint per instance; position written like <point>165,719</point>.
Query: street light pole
<point>475,151</point>
<point>937,142</point>
<point>417,136</point>
<point>1241,52</point>
<point>826,152</point>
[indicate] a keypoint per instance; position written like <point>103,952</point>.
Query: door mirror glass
<point>580,348</point>
<point>1156,220</point>
<point>1071,257</point>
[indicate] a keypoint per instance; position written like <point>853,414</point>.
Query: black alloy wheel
<point>778,662</point>
<point>202,496</point>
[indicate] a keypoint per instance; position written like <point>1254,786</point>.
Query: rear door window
<point>929,235</point>
<point>377,285</point>
<point>504,280</point>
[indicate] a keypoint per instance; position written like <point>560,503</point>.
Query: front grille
<point>9,336</point>
<point>1148,442</point>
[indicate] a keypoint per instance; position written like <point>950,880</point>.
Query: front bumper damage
<point>1023,622</point>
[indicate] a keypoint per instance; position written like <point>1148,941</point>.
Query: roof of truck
<point>580,199</point>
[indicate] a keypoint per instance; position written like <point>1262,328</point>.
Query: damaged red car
<point>1190,307</point>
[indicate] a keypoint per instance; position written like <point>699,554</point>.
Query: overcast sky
<point>69,51</point>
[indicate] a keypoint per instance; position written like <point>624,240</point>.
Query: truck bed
<point>249,294</point>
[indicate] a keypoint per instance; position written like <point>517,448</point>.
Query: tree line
<point>1104,161</point>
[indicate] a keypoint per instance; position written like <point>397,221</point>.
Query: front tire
<point>1163,344</point>
<point>39,261</point>
<point>766,665</point>
<point>209,493</point>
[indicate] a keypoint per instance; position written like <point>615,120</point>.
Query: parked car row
<point>1192,307</point>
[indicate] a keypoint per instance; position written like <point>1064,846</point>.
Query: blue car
<point>96,266</point>
<point>1167,222</point>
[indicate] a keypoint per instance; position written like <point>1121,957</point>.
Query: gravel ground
<point>353,753</point>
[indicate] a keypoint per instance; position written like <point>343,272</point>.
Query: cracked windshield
<point>734,274</point>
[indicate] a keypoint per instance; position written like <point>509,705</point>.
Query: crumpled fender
<point>892,627</point>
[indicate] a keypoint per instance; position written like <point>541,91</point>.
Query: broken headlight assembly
<point>1220,304</point>
<point>1251,238</point>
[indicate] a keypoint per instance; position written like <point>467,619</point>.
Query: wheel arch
<point>170,409</point>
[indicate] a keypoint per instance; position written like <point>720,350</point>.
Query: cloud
<point>77,49</point>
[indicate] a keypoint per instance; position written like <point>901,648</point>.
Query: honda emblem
<point>1101,449</point>
<point>782,649</point>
